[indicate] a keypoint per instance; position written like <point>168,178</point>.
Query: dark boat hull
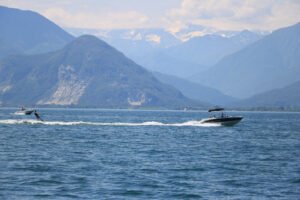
<point>226,121</point>
<point>28,112</point>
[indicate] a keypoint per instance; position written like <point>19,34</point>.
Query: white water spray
<point>149,123</point>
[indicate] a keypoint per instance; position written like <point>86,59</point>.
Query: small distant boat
<point>222,119</point>
<point>23,111</point>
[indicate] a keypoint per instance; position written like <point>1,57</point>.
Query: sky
<point>171,15</point>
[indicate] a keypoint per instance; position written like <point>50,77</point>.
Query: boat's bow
<point>225,121</point>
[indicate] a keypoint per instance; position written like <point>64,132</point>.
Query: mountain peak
<point>89,40</point>
<point>28,32</point>
<point>246,31</point>
<point>90,49</point>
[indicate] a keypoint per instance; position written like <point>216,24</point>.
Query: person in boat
<point>22,108</point>
<point>37,115</point>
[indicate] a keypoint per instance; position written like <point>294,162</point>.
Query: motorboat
<point>23,111</point>
<point>221,118</point>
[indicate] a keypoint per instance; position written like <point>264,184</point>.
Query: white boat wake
<point>150,123</point>
<point>19,113</point>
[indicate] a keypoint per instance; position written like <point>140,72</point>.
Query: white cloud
<point>96,14</point>
<point>235,14</point>
<point>173,15</point>
<point>108,20</point>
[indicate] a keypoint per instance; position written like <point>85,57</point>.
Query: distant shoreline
<point>228,109</point>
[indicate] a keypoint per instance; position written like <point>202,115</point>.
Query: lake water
<point>124,154</point>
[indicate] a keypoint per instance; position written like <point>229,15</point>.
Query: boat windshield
<point>215,109</point>
<point>219,115</point>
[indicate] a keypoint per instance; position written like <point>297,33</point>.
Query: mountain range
<point>209,49</point>
<point>86,72</point>
<point>161,51</point>
<point>195,55</point>
<point>27,32</point>
<point>269,63</point>
<point>54,68</point>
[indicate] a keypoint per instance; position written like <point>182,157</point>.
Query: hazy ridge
<point>27,32</point>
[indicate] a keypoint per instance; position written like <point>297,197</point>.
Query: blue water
<point>123,154</point>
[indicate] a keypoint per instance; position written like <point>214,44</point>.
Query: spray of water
<point>150,123</point>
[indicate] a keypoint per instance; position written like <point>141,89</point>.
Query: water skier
<point>37,116</point>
